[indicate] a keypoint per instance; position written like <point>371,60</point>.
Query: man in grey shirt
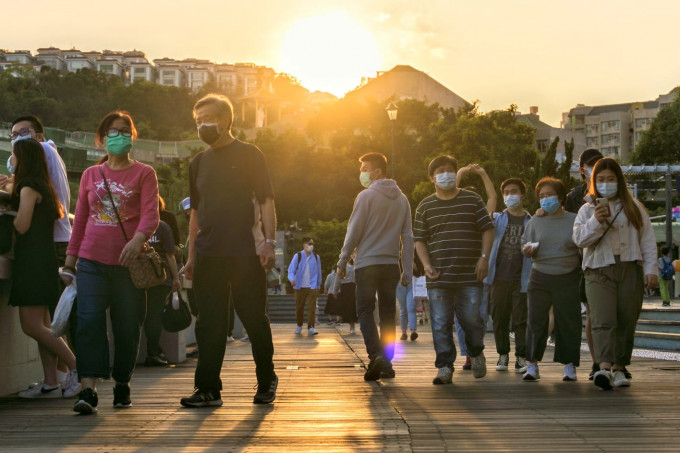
<point>380,218</point>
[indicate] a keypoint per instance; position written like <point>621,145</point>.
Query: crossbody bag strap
<point>608,227</point>
<point>115,209</point>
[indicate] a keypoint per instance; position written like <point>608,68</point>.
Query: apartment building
<point>615,129</point>
<point>544,135</point>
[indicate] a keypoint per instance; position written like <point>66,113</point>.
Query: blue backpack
<point>667,271</point>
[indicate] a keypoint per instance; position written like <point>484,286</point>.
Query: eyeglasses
<point>21,133</point>
<point>113,132</point>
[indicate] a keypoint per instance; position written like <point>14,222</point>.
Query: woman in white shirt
<point>619,260</point>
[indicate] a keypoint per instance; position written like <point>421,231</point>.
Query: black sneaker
<point>595,369</point>
<point>627,373</point>
<point>403,337</point>
<point>414,335</point>
<point>121,395</point>
<point>202,398</point>
<point>266,393</point>
<point>155,360</point>
<point>87,402</point>
<point>375,367</point>
<point>387,373</point>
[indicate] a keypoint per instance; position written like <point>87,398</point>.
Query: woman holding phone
<point>619,260</point>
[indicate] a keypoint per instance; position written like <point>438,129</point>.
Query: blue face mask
<point>21,137</point>
<point>10,167</point>
<point>550,204</point>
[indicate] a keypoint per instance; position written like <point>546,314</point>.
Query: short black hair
<point>377,160</point>
<point>516,181</point>
<point>306,239</point>
<point>37,124</point>
<point>556,184</point>
<point>665,250</point>
<point>440,161</point>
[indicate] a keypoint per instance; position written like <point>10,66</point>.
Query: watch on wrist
<point>270,241</point>
<point>485,256</point>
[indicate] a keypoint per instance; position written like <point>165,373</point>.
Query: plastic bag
<point>63,310</point>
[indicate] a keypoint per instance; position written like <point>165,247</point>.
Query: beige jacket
<point>634,245</point>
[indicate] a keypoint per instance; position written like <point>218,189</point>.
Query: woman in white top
<point>619,260</point>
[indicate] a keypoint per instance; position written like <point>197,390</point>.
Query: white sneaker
<point>41,391</point>
<point>298,329</point>
<point>443,376</point>
<point>71,385</point>
<point>620,379</point>
<point>604,379</point>
<point>352,331</point>
<point>532,373</point>
<point>502,364</point>
<point>312,331</point>
<point>60,378</point>
<point>521,365</point>
<point>479,366</point>
<point>569,372</point>
<point>230,339</point>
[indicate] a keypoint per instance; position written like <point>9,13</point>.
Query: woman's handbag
<point>273,278</point>
<point>147,269</point>
<point>176,315</point>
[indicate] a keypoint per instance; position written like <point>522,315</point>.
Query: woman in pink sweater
<point>102,254</point>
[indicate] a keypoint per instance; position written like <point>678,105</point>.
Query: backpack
<point>667,271</point>
<point>299,257</point>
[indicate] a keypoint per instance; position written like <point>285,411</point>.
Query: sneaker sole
<point>263,401</point>
<point>531,378</point>
<point>437,381</point>
<point>83,407</point>
<point>215,403</point>
<point>122,405</point>
<point>603,382</point>
<point>501,368</point>
<point>568,379</point>
<point>622,384</point>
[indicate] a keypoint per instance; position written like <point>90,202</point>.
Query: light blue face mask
<point>21,137</point>
<point>550,204</point>
<point>10,167</point>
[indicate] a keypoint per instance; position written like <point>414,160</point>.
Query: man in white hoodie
<point>380,218</point>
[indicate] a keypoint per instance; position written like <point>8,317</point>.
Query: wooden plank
<point>323,404</point>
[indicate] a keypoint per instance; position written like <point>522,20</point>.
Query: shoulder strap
<point>115,209</point>
<point>299,257</point>
<point>608,227</point>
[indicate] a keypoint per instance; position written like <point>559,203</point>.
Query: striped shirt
<point>452,230</point>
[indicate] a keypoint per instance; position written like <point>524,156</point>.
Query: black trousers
<point>562,293</point>
<point>506,300</point>
<point>215,280</point>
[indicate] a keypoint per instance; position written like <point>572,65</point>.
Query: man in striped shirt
<point>453,235</point>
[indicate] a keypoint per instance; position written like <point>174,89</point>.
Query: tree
<point>661,143</point>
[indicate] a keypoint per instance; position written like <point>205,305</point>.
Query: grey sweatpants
<point>615,296</point>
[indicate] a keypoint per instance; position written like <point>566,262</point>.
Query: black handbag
<point>176,320</point>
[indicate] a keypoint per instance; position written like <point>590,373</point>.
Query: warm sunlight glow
<point>330,52</point>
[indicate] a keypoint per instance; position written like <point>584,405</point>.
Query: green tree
<point>660,144</point>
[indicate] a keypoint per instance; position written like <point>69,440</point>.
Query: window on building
<point>542,145</point>
<point>642,123</point>
<point>592,141</point>
<point>611,139</point>
<point>611,151</point>
<point>106,68</point>
<point>611,126</point>
<point>592,129</point>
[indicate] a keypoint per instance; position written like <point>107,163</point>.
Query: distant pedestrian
<point>331,288</point>
<point>666,271</point>
<point>380,219</point>
<point>453,238</point>
<point>619,260</point>
<point>304,274</point>
<point>118,191</point>
<point>231,244</point>
<point>553,283</point>
<point>347,301</point>
<point>407,310</point>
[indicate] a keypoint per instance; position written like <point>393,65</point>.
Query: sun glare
<point>330,52</point>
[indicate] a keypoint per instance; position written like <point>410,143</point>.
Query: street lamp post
<point>392,114</point>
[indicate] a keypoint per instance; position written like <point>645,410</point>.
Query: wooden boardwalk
<point>323,404</point>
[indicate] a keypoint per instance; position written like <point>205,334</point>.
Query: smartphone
<point>603,202</point>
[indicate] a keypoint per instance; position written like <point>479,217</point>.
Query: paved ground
<point>323,404</point>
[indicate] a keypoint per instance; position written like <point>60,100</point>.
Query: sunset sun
<point>329,52</point>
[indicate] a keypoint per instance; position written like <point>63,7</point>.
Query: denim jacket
<point>501,224</point>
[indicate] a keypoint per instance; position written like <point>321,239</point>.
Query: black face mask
<point>209,133</point>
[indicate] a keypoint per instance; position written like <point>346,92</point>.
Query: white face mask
<point>512,201</point>
<point>310,248</point>
<point>365,178</point>
<point>445,181</point>
<point>607,189</point>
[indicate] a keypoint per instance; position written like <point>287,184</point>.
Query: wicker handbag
<point>148,269</point>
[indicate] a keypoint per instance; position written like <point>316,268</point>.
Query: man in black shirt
<point>231,243</point>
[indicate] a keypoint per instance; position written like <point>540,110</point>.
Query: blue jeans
<point>407,307</point>
<point>102,286</point>
<point>483,312</point>
<point>464,303</point>
<point>381,279</point>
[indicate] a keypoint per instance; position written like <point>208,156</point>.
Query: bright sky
<point>527,52</point>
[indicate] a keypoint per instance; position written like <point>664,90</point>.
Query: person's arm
<point>355,231</point>
<point>318,271</point>
<point>648,250</point>
<point>482,268</point>
<point>28,198</point>
<point>193,232</point>
<point>424,255</point>
<point>268,212</point>
<point>407,248</point>
<point>492,200</point>
<point>174,273</point>
<point>587,227</point>
<point>148,217</point>
<point>292,267</point>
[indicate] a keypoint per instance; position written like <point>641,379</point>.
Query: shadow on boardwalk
<point>323,404</point>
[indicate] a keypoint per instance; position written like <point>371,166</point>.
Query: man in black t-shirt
<point>231,243</point>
